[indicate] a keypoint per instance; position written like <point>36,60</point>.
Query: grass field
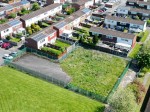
<point>22,93</point>
<point>93,70</point>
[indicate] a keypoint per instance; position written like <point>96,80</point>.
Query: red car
<point>6,45</point>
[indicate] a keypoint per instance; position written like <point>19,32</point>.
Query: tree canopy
<point>143,56</point>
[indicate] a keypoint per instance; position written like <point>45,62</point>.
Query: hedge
<point>51,51</point>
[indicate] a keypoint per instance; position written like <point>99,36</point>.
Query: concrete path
<point>146,77</point>
<point>128,78</point>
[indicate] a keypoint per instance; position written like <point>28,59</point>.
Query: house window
<point>41,41</point>
<point>45,13</point>
<point>125,40</point>
<point>109,37</point>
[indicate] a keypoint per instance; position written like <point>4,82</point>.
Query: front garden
<point>93,70</point>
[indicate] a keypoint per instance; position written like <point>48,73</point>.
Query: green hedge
<point>135,51</point>
<point>145,35</point>
<point>51,51</point>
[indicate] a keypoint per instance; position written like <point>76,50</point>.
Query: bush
<point>30,31</point>
<point>123,101</point>
<point>8,37</point>
<point>141,75</point>
<point>12,15</point>
<point>138,88</point>
<point>52,51</point>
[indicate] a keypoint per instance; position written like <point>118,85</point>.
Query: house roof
<point>126,20</point>
<point>144,3</point>
<point>9,24</point>
<point>124,7</point>
<point>23,2</point>
<point>42,34</point>
<point>72,17</point>
<point>79,2</point>
<point>112,33</point>
<point>140,10</point>
<point>17,4</point>
<point>39,37</point>
<point>40,11</point>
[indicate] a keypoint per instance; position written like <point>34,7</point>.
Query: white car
<point>7,56</point>
<point>13,54</point>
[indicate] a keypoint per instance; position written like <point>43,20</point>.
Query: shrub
<point>138,88</point>
<point>30,31</point>
<point>123,101</point>
<point>12,15</point>
<point>8,37</point>
<point>52,51</point>
<point>141,75</point>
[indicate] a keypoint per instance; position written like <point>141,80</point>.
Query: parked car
<point>13,54</point>
<point>6,45</point>
<point>7,56</point>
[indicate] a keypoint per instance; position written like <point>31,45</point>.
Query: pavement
<point>128,78</point>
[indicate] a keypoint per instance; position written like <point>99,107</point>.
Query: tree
<point>35,7</point>
<point>12,15</point>
<point>143,56</point>
<point>95,39</point>
<point>148,22</point>
<point>123,101</point>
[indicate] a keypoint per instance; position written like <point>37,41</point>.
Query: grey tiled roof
<point>126,20</point>
<point>40,11</point>
<point>112,32</point>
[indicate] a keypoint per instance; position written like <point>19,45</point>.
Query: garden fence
<point>68,86</point>
<point>118,81</point>
<point>35,74</point>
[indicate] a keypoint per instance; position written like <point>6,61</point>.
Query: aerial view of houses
<point>74,55</point>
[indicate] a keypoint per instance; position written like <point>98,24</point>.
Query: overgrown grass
<point>135,51</point>
<point>22,93</point>
<point>93,71</point>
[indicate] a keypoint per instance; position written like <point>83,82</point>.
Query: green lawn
<point>61,44</point>
<point>22,93</point>
<point>93,70</point>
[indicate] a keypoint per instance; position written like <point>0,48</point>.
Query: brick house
<point>125,11</point>
<point>9,28</point>
<point>41,14</point>
<point>10,1</point>
<point>72,21</point>
<point>114,37</point>
<point>139,4</point>
<point>38,40</point>
<point>121,23</point>
<point>13,8</point>
<point>79,4</point>
<point>49,2</point>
